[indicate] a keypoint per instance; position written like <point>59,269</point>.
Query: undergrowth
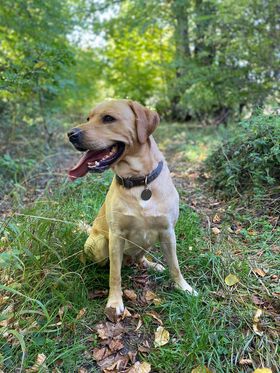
<point>41,274</point>
<point>249,160</point>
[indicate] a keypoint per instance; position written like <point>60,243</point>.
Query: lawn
<point>52,300</point>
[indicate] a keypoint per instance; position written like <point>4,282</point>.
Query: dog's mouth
<point>97,160</point>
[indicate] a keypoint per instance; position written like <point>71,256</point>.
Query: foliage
<point>201,59</point>
<point>249,160</point>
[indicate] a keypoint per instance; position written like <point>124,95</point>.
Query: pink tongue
<point>81,167</point>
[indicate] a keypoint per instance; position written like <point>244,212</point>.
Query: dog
<point>142,204</point>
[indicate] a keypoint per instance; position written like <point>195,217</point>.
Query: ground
<point>52,301</point>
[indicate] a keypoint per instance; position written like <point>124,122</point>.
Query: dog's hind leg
<point>97,248</point>
<point>97,245</point>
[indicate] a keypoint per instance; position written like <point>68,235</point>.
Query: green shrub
<point>249,160</point>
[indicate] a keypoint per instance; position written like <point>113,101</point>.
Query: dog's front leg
<point>116,247</point>
<point>168,244</point>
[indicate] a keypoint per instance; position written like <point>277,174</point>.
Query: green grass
<point>41,271</point>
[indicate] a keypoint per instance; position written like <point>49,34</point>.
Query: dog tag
<point>146,194</point>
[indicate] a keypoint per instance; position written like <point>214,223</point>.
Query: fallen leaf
<point>115,345</point>
<point>161,336</point>
<point>132,356</point>
<point>157,301</point>
<point>130,295</point>
<point>39,364</point>
<point>259,272</point>
<point>257,315</point>
<point>100,353</point>
<point>256,300</point>
<point>110,313</point>
<point>155,316</point>
<point>262,370</point>
<point>245,362</point>
<point>82,370</point>
<point>61,312</point>
<point>231,280</point>
<point>109,330</point>
<point>251,232</point>
<point>81,313</point>
<point>140,323</point>
<point>125,314</point>
<point>97,294</point>
<point>145,347</point>
<point>118,363</point>
<point>3,300</point>
<point>216,219</point>
<point>150,296</point>
<point>256,320</point>
<point>216,230</point>
<point>138,367</point>
<point>201,369</point>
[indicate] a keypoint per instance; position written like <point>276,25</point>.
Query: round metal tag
<point>146,194</point>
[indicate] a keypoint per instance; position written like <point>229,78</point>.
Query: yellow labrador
<point>142,204</point>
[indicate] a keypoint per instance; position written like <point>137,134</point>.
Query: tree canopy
<point>202,59</point>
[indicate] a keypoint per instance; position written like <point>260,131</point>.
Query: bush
<point>249,160</point>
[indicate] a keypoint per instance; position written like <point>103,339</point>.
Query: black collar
<point>130,182</point>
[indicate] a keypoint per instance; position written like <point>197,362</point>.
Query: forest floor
<point>52,301</point>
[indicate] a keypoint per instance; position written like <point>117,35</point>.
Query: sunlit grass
<point>47,285</point>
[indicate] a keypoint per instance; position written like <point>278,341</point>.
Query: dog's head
<point>112,128</point>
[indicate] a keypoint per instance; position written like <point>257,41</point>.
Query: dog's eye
<point>108,119</point>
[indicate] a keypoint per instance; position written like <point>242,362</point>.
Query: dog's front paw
<point>183,285</point>
<point>114,308</point>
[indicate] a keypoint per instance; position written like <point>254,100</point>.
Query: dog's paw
<point>114,308</point>
<point>183,285</point>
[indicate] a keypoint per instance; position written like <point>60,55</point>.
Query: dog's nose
<point>74,134</point>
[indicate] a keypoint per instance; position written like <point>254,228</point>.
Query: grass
<point>45,285</point>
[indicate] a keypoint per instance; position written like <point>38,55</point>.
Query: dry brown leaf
<point>138,367</point>
<point>125,314</point>
<point>216,219</point>
<point>100,353</point>
<point>259,272</point>
<point>263,370</point>
<point>231,280</point>
<point>161,336</point>
<point>109,330</point>
<point>97,294</point>
<point>201,369</point>
<point>251,232</point>
<point>245,362</point>
<point>3,300</point>
<point>150,296</point>
<point>115,345</point>
<point>216,230</point>
<point>81,314</point>
<point>140,323</point>
<point>118,363</point>
<point>256,300</point>
<point>39,364</point>
<point>130,295</point>
<point>157,301</point>
<point>132,356</point>
<point>155,316</point>
<point>145,347</point>
<point>82,370</point>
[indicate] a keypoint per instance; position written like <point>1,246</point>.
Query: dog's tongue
<point>81,167</point>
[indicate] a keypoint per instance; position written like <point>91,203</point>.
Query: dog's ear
<point>146,121</point>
